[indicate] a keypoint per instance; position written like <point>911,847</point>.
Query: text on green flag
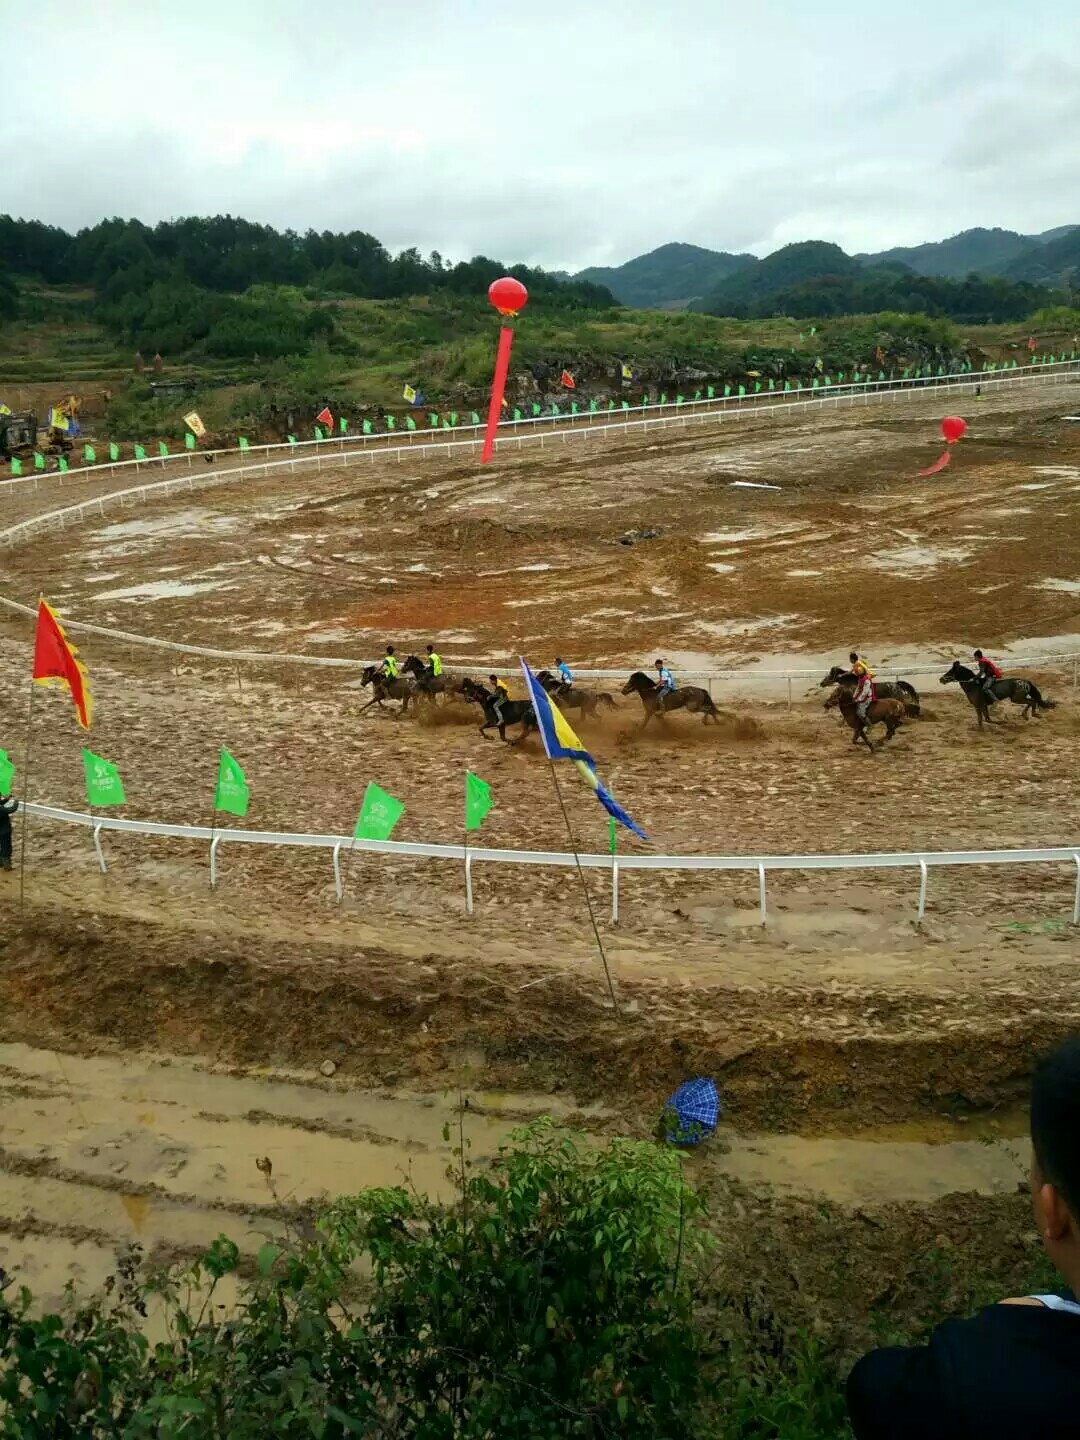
<point>379,814</point>
<point>477,800</point>
<point>7,773</point>
<point>232,794</point>
<point>103,783</point>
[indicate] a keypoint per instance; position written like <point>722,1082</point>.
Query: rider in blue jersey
<point>667,680</point>
<point>563,671</point>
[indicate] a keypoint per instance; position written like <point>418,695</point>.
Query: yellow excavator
<point>18,433</point>
<point>62,425</point>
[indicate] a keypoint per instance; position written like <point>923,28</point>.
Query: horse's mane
<point>640,675</point>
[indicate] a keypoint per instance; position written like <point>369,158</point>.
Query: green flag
<point>16,465</point>
<point>292,438</point>
<point>89,454</point>
<point>241,440</point>
<point>446,424</point>
<point>711,392</point>
<point>626,404</point>
<point>663,398</point>
<point>697,394</point>
<point>367,427</point>
<point>742,389</point>
<point>379,814</point>
<point>7,773</point>
<point>554,407</point>
<point>840,378</point>
<point>787,384</point>
<point>189,440</point>
<point>880,376</point>
<point>433,421</point>
<point>536,409</point>
<point>727,391</point>
<point>813,329</point>
<point>573,407</point>
<point>772,383</point>
<point>802,337</point>
<point>318,436</point>
<point>477,800</point>
<point>474,418</point>
<point>114,450</point>
<point>517,415</point>
<point>613,835</point>
<point>390,422</point>
<point>232,792</point>
<point>103,783</point>
<point>162,449</point>
<point>453,419</point>
<point>757,387</point>
<point>39,460</point>
<point>343,425</point>
<point>410,423</point>
<point>592,407</point>
<point>645,401</point>
<point>62,462</point>
<point>611,404</point>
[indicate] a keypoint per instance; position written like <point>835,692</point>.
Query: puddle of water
<point>752,532</point>
<point>163,590</point>
<point>801,574</point>
<point>720,567</point>
<point>916,557</point>
<point>1066,587</point>
<point>743,627</point>
<point>1013,510</point>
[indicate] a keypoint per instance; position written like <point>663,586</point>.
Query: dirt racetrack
<point>839,1022</point>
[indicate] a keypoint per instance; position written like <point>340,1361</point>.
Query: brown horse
<point>572,697</point>
<point>510,712</point>
<point>690,697</point>
<point>889,713</point>
<point>383,688</point>
<point>886,689</point>
<point>428,686</point>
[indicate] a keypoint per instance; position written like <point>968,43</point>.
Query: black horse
<point>885,690</point>
<point>572,697</point>
<point>1020,692</point>
<point>428,685</point>
<point>514,712</point>
<point>687,697</point>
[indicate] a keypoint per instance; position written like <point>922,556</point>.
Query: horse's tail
<point>1037,696</point>
<point>710,707</point>
<point>910,697</point>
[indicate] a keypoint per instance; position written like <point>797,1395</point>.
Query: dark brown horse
<point>1020,692</point>
<point>889,713</point>
<point>689,697</point>
<point>572,697</point>
<point>428,686</point>
<point>383,688</point>
<point>511,712</point>
<point>886,689</point>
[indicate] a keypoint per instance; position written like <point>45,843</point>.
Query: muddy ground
<point>877,1046</point>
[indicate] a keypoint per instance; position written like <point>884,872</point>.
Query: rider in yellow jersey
<point>864,691</point>
<point>502,694</point>
<point>390,664</point>
<point>434,663</point>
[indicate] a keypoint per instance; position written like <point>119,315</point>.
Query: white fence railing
<point>537,429</point>
<point>922,861</point>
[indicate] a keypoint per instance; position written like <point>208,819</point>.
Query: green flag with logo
<point>291,439</point>
<point>114,450</point>
<point>517,415</point>
<point>62,462</point>
<point>433,421</point>
<point>16,465</point>
<point>477,800</point>
<point>697,394</point>
<point>242,440</point>
<point>162,449</point>
<point>379,814</point>
<point>7,773</point>
<point>410,423</point>
<point>343,425</point>
<point>742,390</point>
<point>39,460</point>
<point>592,407</point>
<point>453,419</point>
<point>573,407</point>
<point>232,794</point>
<point>103,783</point>
<point>554,408</point>
<point>757,387</point>
<point>727,391</point>
<point>535,409</point>
<point>140,452</point>
<point>89,454</point>
<point>319,435</point>
<point>711,392</point>
<point>189,440</point>
<point>367,427</point>
<point>390,422</point>
<point>663,398</point>
<point>474,418</point>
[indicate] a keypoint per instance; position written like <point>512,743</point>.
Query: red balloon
<point>952,427</point>
<point>508,295</point>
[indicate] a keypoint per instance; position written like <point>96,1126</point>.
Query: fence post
<point>213,861</point>
<point>338,888</point>
<point>761,892</point>
<point>97,847</point>
<point>468,882</point>
<point>1076,901</point>
<point>615,889</point>
<point>789,692</point>
<point>922,890</point>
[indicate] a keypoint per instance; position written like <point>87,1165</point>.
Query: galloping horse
<point>889,713</point>
<point>887,690</point>
<point>1020,692</point>
<point>514,712</point>
<point>570,697</point>
<point>690,697</point>
<point>428,686</point>
<point>383,688</point>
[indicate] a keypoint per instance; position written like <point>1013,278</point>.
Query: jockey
<point>666,679</point>
<point>859,667</point>
<point>434,663</point>
<point>502,695</point>
<point>865,692</point>
<point>988,673</point>
<point>389,665</point>
<point>563,671</point>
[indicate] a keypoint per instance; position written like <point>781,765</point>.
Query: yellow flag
<point>409,394</point>
<point>194,424</point>
<point>627,373</point>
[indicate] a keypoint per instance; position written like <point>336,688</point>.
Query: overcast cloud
<point>562,135</point>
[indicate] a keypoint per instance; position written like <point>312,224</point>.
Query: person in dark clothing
<point>7,809</point>
<point>1013,1369</point>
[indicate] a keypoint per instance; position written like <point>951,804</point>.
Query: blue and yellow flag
<point>561,743</point>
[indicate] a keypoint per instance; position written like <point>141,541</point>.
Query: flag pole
<point>26,797</point>
<point>213,818</point>
<point>584,887</point>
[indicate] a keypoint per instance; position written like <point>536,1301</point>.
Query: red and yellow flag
<point>55,663</point>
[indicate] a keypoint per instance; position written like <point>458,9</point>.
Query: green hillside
<point>666,278</point>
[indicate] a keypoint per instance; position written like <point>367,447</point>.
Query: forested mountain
<point>978,251</point>
<point>667,278</point>
<point>1057,262</point>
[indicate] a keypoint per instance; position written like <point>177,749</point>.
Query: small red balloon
<point>508,295</point>
<point>952,427</point>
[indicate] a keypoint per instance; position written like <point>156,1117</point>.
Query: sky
<point>563,135</point>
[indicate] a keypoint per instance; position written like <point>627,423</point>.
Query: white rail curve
<point>75,514</point>
<point>923,860</point>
